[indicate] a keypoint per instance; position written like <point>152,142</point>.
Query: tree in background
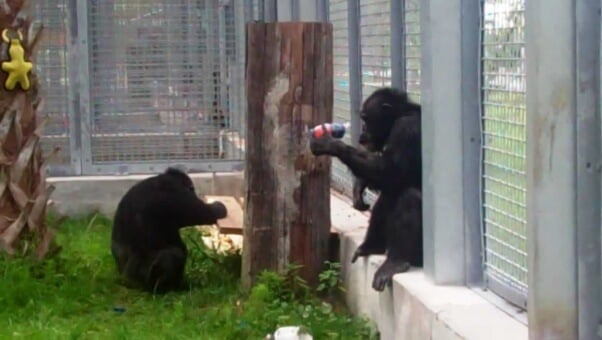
<point>23,190</point>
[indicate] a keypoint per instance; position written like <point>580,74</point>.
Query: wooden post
<point>287,204</point>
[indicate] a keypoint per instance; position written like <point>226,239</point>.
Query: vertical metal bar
<point>471,140</point>
<point>83,84</point>
<point>248,16</point>
<point>397,44</point>
<point>239,73</point>
<point>442,105</point>
<point>261,10</point>
<point>309,11</point>
<point>284,10</point>
<point>322,10</point>
<point>588,162</point>
<point>223,60</point>
<point>552,169</point>
<point>270,10</point>
<point>75,138</point>
<point>295,10</point>
<point>355,72</point>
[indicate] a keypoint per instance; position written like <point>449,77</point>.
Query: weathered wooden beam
<point>287,204</point>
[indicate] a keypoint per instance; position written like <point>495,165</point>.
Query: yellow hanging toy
<point>17,68</point>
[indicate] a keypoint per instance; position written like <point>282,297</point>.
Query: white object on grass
<point>290,333</point>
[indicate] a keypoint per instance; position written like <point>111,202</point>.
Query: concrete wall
<point>77,196</point>
<point>414,308</point>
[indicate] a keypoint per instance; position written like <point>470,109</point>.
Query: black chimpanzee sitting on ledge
<point>392,165</point>
<point>145,240</point>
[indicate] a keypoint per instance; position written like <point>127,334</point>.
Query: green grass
<point>74,295</point>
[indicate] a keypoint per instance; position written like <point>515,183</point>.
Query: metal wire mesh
<point>504,143</point>
<point>411,23</point>
<point>232,64</point>
<point>375,24</point>
<point>51,68</point>
<point>342,178</point>
<point>376,45</point>
<point>160,73</point>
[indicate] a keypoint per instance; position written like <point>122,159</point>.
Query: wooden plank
<point>232,224</point>
<point>289,90</point>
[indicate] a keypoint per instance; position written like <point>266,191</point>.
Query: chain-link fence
<point>52,58</point>
<point>504,144</point>
<point>375,27</point>
<point>132,86</point>
<point>152,83</point>
<point>338,13</point>
<point>375,38</point>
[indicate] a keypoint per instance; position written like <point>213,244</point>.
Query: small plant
<point>285,299</point>
<point>207,264</point>
<point>288,286</point>
<point>330,279</point>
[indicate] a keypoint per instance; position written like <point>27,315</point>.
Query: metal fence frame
<point>563,121</point>
<point>503,202</point>
<point>565,271</point>
<point>459,222</point>
<point>80,108</point>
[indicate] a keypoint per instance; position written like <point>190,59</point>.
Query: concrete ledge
<point>414,308</point>
<point>82,195</point>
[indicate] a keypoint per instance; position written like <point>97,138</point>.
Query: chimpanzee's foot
<point>364,250</point>
<point>384,274</point>
<point>358,195</point>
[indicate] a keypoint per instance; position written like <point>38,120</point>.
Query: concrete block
<point>343,217</point>
<point>353,274</point>
<point>482,321</point>
<point>413,320</point>
<point>386,314</point>
<point>449,312</point>
<point>228,184</point>
<point>372,296</point>
<point>441,331</point>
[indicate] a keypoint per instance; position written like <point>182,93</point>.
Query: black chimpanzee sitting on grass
<point>390,163</point>
<point>145,240</point>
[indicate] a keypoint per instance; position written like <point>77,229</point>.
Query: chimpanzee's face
<point>377,121</point>
<point>365,139</point>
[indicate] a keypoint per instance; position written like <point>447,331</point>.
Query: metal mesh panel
<point>375,18</point>
<point>412,48</point>
<point>255,9</point>
<point>504,144</point>
<point>51,68</point>
<point>376,45</point>
<point>341,176</point>
<point>159,80</point>
<point>232,68</point>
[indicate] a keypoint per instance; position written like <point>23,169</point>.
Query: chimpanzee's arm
<point>370,167</point>
<point>399,162</point>
<point>188,210</point>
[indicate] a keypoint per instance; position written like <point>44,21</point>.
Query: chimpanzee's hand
<point>322,145</point>
<point>219,210</point>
